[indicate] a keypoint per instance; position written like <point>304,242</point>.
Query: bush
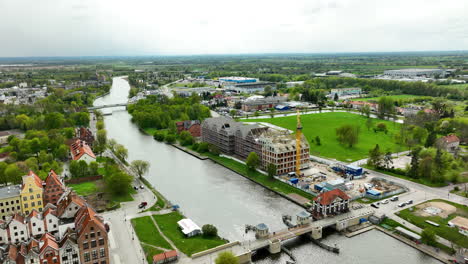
<point>195,146</point>
<point>381,127</point>
<point>214,149</point>
<point>170,138</point>
<point>203,147</point>
<point>456,188</point>
<point>210,230</point>
<point>159,136</point>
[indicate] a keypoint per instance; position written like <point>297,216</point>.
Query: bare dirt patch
<point>445,209</point>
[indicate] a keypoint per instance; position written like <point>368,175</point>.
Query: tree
<point>111,143</point>
<point>375,157</point>
<point>268,90</point>
<point>413,172</point>
<point>93,168</point>
<point>118,182</point>
<point>317,141</point>
<point>100,125</point>
<point>388,161</point>
<point>272,170</point>
<point>335,98</point>
<point>381,126</point>
<point>101,137</point>
<point>252,161</point>
<point>13,174</point>
<point>431,139</point>
<point>226,257</point>
<point>78,169</point>
<point>80,119</point>
<point>121,152</point>
<point>185,138</point>
<point>209,230</point>
<point>386,106</point>
<point>365,110</point>
<point>203,147</point>
<point>214,149</point>
<point>32,164</point>
<point>140,167</point>
<point>368,123</point>
<point>428,237</point>
<point>170,138</point>
<point>54,120</point>
<point>233,113</point>
<point>3,179</point>
<point>272,112</point>
<point>348,134</point>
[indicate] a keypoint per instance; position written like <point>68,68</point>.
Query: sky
<point>186,27</point>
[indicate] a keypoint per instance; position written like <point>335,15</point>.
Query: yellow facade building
<point>10,201</point>
<point>31,193</point>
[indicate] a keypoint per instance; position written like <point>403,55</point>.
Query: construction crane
<point>298,144</point>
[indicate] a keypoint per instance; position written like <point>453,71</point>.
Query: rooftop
<point>9,191</point>
<point>188,226</point>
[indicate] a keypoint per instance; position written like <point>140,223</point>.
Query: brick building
<point>85,134</point>
<point>192,126</point>
<point>330,203</point>
<point>53,188</point>
<point>91,237</point>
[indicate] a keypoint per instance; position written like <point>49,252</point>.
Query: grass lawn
<point>443,230</point>
<point>85,188</point>
<point>259,177</point>
<point>150,252</point>
<point>394,97</point>
<point>147,232</point>
<point>462,193</point>
<point>324,125</point>
<point>459,86</point>
<point>124,198</point>
<point>150,131</point>
<point>168,225</point>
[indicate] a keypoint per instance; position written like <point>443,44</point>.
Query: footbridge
<point>106,106</point>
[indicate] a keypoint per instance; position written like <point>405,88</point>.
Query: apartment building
<point>246,140</point>
<point>53,188</point>
<point>10,201</point>
<point>91,237</point>
<point>220,131</point>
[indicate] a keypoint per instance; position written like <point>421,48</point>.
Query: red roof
<point>49,241</point>
<point>79,148</point>
<point>85,216</point>
<point>451,138</point>
<point>327,198</point>
<point>36,178</point>
<point>165,255</point>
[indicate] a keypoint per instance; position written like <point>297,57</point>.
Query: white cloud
<point>152,27</point>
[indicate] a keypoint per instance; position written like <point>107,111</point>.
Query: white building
<point>415,73</point>
<point>189,228</point>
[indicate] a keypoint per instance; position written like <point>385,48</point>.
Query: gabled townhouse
<point>36,224</point>
<point>91,237</point>
<point>69,204</point>
<point>53,188</point>
<point>17,229</point>
<point>51,221</point>
<point>49,250</point>
<point>69,251</point>
<point>80,150</point>
<point>31,193</point>
<point>29,252</point>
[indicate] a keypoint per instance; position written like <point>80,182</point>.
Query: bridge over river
<point>106,106</point>
<point>273,241</point>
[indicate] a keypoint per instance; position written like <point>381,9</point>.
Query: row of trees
<point>161,112</point>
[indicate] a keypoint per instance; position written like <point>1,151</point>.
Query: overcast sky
<point>172,27</point>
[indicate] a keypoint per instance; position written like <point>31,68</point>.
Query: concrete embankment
<point>414,245</point>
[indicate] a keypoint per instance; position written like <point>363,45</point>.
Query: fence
<point>83,179</point>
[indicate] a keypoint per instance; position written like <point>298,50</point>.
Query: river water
<point>211,194</point>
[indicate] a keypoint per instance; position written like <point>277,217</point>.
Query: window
<point>38,195</point>
<point>34,224</point>
<point>86,236</point>
<point>31,197</point>
<point>102,252</point>
<point>17,201</point>
<point>30,190</point>
<point>54,260</point>
<point>14,228</point>
<point>50,220</point>
<point>64,258</point>
<point>94,254</point>
<point>16,233</point>
<point>6,203</point>
<point>40,209</point>
<point>22,232</point>
<point>103,262</point>
<point>86,257</point>
<point>39,229</point>
<point>92,228</point>
<point>33,204</point>
<point>39,203</point>
<point>101,241</point>
<point>26,206</point>
<point>93,243</point>
<point>44,262</point>
<point>85,245</point>
<point>75,256</point>
<point>69,250</point>
<point>1,204</point>
<point>25,198</point>
<point>99,233</point>
<point>93,235</point>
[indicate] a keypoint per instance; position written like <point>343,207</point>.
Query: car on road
<point>409,202</point>
<point>136,188</point>
<point>386,201</point>
<point>141,187</point>
<point>142,205</point>
<point>401,205</point>
<point>375,205</point>
<point>394,199</point>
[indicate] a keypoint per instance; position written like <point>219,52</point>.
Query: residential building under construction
<point>273,145</point>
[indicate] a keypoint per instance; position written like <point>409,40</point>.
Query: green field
<point>459,86</point>
<point>443,230</point>
<point>168,225</point>
<point>150,252</point>
<point>394,97</point>
<point>85,188</point>
<point>324,125</point>
<point>147,232</point>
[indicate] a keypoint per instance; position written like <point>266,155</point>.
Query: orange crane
<point>298,144</point>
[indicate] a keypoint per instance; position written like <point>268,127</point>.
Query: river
<point>211,194</point>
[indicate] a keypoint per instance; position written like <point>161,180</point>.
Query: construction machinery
<point>298,144</point>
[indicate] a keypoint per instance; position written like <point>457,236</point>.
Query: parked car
<point>409,202</point>
<point>142,205</point>
<point>386,201</point>
<point>401,205</point>
<point>142,187</point>
<point>374,205</point>
<point>134,187</point>
<point>394,198</point>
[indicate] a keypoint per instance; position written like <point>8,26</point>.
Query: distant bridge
<point>106,106</point>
